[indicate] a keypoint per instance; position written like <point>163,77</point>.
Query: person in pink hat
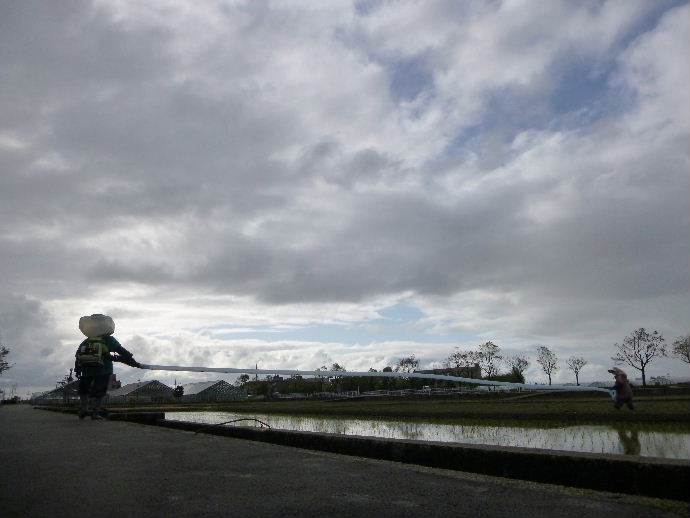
<point>623,390</point>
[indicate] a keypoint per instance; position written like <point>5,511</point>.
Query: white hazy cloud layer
<point>517,171</point>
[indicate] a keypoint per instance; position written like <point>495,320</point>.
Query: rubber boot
<point>102,411</point>
<point>84,406</point>
<point>96,409</point>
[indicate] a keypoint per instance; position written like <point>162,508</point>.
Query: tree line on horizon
<point>637,350</point>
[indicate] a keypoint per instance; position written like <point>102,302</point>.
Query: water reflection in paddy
<point>671,442</point>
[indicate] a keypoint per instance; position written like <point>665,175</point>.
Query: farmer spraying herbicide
<point>93,364</point>
<point>623,392</point>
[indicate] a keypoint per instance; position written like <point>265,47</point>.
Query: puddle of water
<point>671,442</point>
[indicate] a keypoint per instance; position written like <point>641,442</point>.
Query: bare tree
<point>681,348</point>
<point>321,379</point>
<point>456,359</point>
<point>489,356</point>
<point>63,384</point>
<point>4,364</point>
<point>65,380</point>
<point>548,360</point>
<point>518,363</point>
<point>639,348</point>
<point>575,364</point>
<point>407,364</point>
<point>461,360</point>
<point>336,367</point>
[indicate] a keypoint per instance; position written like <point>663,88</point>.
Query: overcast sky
<point>297,183</point>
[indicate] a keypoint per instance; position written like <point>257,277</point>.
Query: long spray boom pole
<point>368,374</point>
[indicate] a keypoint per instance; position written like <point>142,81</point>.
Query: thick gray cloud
<point>36,354</point>
<point>507,171</point>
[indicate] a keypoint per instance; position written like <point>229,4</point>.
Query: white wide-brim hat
<point>96,325</point>
<point>616,371</point>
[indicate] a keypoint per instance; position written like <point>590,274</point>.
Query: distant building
<point>63,394</point>
<point>35,396</point>
<point>114,383</point>
<point>600,384</point>
<point>494,388</point>
<point>663,380</point>
<point>474,372</point>
<point>142,392</point>
<point>211,391</point>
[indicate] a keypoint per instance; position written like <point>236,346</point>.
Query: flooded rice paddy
<point>667,441</point>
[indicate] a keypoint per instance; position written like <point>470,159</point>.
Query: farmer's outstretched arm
<point>124,356</point>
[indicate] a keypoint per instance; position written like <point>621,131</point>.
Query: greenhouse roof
<point>200,386</point>
<point>131,387</point>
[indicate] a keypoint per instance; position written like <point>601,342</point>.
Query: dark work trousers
<point>94,386</point>
<point>620,402</point>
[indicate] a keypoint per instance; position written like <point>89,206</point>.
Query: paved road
<point>55,465</point>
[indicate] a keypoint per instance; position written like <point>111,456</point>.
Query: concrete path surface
<point>54,465</point>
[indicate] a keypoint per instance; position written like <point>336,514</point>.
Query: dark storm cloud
<point>55,55</point>
<point>28,331</point>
